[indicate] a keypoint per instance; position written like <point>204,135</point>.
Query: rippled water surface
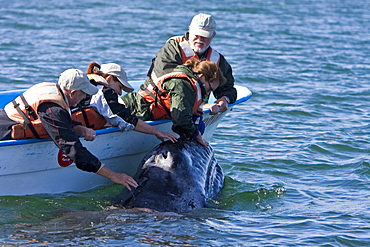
<point>295,156</point>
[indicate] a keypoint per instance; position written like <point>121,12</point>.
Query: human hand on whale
<point>201,140</point>
<point>124,179</point>
<point>161,135</point>
<point>151,130</point>
<point>119,178</point>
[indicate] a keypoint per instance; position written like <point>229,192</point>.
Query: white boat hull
<point>31,166</point>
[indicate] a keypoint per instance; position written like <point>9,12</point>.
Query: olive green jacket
<point>183,97</point>
<point>169,56</point>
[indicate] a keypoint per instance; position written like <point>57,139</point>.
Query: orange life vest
<point>90,118</point>
<point>187,52</point>
<point>161,100</point>
<point>23,110</point>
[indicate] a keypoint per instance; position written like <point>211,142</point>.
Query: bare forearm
<point>146,128</point>
<point>119,178</point>
<point>87,133</point>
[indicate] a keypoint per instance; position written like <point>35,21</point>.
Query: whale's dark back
<point>175,178</point>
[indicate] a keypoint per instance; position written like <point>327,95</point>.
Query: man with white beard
<point>196,43</point>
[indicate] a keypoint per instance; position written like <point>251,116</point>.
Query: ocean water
<point>295,156</point>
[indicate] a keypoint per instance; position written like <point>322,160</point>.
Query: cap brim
<point>201,32</point>
<point>90,90</point>
<point>128,88</point>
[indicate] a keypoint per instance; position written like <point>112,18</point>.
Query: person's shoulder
<point>179,83</point>
<point>52,108</point>
<point>169,45</point>
<point>222,56</point>
<point>172,83</point>
<point>223,61</point>
<point>176,39</point>
<point>50,104</point>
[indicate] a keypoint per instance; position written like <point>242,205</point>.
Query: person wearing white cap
<point>196,43</point>
<point>111,79</point>
<point>119,76</point>
<point>44,110</point>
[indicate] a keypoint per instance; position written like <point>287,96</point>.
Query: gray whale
<point>175,177</point>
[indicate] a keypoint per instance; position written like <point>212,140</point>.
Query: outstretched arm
<point>148,129</point>
<point>119,178</point>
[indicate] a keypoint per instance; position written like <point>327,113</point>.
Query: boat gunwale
<point>110,129</point>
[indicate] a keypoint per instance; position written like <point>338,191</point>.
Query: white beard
<point>197,49</point>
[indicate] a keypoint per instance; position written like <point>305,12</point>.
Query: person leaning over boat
<point>178,96</point>
<point>196,43</point>
<point>111,79</point>
<point>44,110</point>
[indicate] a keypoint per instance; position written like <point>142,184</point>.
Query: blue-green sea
<point>295,156</point>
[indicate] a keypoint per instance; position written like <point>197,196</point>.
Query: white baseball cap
<point>203,25</point>
<point>75,79</point>
<point>117,71</point>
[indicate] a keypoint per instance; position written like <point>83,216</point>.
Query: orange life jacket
<point>161,100</point>
<point>23,110</point>
<point>187,52</point>
<point>90,118</point>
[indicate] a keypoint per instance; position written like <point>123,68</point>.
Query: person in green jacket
<point>196,43</point>
<point>178,95</point>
